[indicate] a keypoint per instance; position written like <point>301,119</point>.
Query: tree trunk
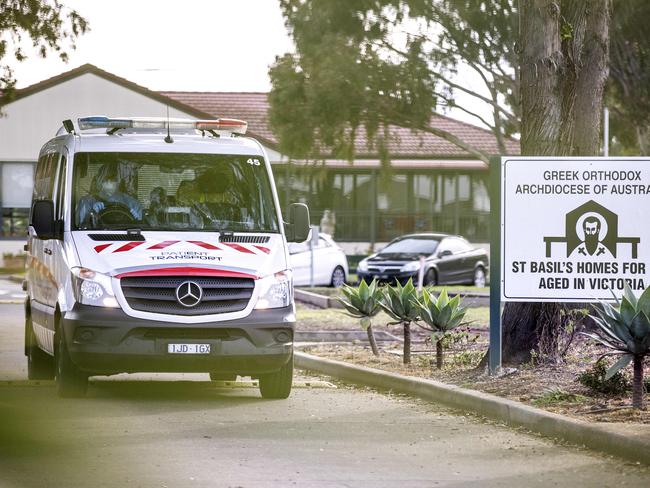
<point>637,385</point>
<point>439,354</point>
<point>563,68</point>
<point>372,341</point>
<point>407,343</point>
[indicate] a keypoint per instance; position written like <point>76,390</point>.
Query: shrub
<point>362,302</point>
<point>399,303</point>
<point>595,378</point>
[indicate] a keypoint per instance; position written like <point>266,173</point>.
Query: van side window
<point>45,175</point>
<point>60,189</point>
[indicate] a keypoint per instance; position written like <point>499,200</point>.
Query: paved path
<point>176,434</point>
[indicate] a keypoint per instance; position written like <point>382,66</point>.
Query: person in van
<point>104,194</point>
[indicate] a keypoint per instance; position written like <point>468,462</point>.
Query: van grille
<point>158,294</point>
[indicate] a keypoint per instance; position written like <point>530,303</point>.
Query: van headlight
<point>410,267</point>
<point>93,288</point>
<point>276,290</point>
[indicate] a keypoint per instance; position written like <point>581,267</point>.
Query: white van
<point>157,245</point>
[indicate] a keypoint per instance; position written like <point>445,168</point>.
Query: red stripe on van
<point>101,247</point>
<point>237,247</point>
<point>163,245</point>
<point>128,246</point>
<point>263,249</point>
<point>224,273</point>
<point>205,245</point>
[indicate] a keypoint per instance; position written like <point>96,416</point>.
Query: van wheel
<point>70,381</point>
<point>40,365</point>
<point>277,385</point>
<point>214,376</point>
<point>338,277</point>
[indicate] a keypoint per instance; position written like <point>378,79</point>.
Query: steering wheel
<point>116,213</point>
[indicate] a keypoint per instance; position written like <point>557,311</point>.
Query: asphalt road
<point>140,431</point>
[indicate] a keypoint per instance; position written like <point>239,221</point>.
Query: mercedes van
<point>158,245</point>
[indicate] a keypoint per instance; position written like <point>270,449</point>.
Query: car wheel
<point>431,278</point>
<point>70,380</point>
<point>215,376</point>
<point>338,277</point>
<point>479,277</point>
<point>40,365</point>
<point>277,385</point>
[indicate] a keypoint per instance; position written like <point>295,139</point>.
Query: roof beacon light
<point>232,126</point>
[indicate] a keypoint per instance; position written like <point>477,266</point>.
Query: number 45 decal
<point>253,161</point>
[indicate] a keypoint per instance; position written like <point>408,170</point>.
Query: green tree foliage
<point>370,63</point>
<point>625,331</point>
<point>629,77</point>
<point>399,302</point>
<point>362,302</point>
<point>47,24</point>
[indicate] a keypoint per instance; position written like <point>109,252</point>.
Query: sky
<point>188,45</point>
<point>194,45</point>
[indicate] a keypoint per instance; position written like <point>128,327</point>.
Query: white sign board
<point>574,229</point>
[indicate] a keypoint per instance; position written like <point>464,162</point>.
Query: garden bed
<point>552,387</point>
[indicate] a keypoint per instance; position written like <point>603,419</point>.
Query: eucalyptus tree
<point>47,24</point>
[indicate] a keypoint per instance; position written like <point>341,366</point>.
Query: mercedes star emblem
<point>189,294</point>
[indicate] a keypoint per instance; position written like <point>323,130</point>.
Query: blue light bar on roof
<point>232,126</point>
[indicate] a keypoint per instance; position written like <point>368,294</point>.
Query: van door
<point>42,282</point>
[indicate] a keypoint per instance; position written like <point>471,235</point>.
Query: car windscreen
<point>169,191</point>
<point>411,245</point>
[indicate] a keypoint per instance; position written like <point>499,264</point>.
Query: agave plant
<point>441,315</point>
<point>399,303</point>
<point>363,303</point>
<point>625,329</point>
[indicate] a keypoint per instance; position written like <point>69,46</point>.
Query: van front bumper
<point>108,341</point>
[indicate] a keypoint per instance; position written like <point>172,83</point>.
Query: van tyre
<point>277,385</point>
<point>40,365</point>
<point>70,381</point>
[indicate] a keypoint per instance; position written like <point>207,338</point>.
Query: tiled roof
<point>253,107</point>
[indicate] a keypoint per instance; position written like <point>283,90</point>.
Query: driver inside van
<point>104,194</point>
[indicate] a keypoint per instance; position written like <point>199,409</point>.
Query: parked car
<point>330,263</point>
<point>449,260</point>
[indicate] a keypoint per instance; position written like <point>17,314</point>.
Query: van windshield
<point>168,191</point>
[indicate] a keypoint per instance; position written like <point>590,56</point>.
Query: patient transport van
<point>157,245</point>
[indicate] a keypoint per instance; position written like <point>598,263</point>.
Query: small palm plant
<point>399,303</point>
<point>440,315</point>
<point>625,330</point>
<point>363,303</point>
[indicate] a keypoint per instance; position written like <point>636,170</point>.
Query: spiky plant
<point>625,330</point>
<point>399,303</point>
<point>440,315</point>
<point>362,302</point>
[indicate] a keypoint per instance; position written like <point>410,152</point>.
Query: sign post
<point>494,354</point>
<point>566,230</point>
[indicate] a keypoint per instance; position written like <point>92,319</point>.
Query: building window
<point>16,198</point>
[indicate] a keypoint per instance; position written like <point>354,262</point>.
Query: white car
<point>330,263</point>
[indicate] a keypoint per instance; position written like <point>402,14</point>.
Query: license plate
<point>188,348</point>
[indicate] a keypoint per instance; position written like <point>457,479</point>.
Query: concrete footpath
<point>623,441</point>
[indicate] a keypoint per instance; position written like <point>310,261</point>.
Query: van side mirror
<point>43,219</point>
<point>297,229</point>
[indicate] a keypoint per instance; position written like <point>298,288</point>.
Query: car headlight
<point>410,267</point>
<point>93,288</point>
<point>276,290</point>
<point>362,266</point>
